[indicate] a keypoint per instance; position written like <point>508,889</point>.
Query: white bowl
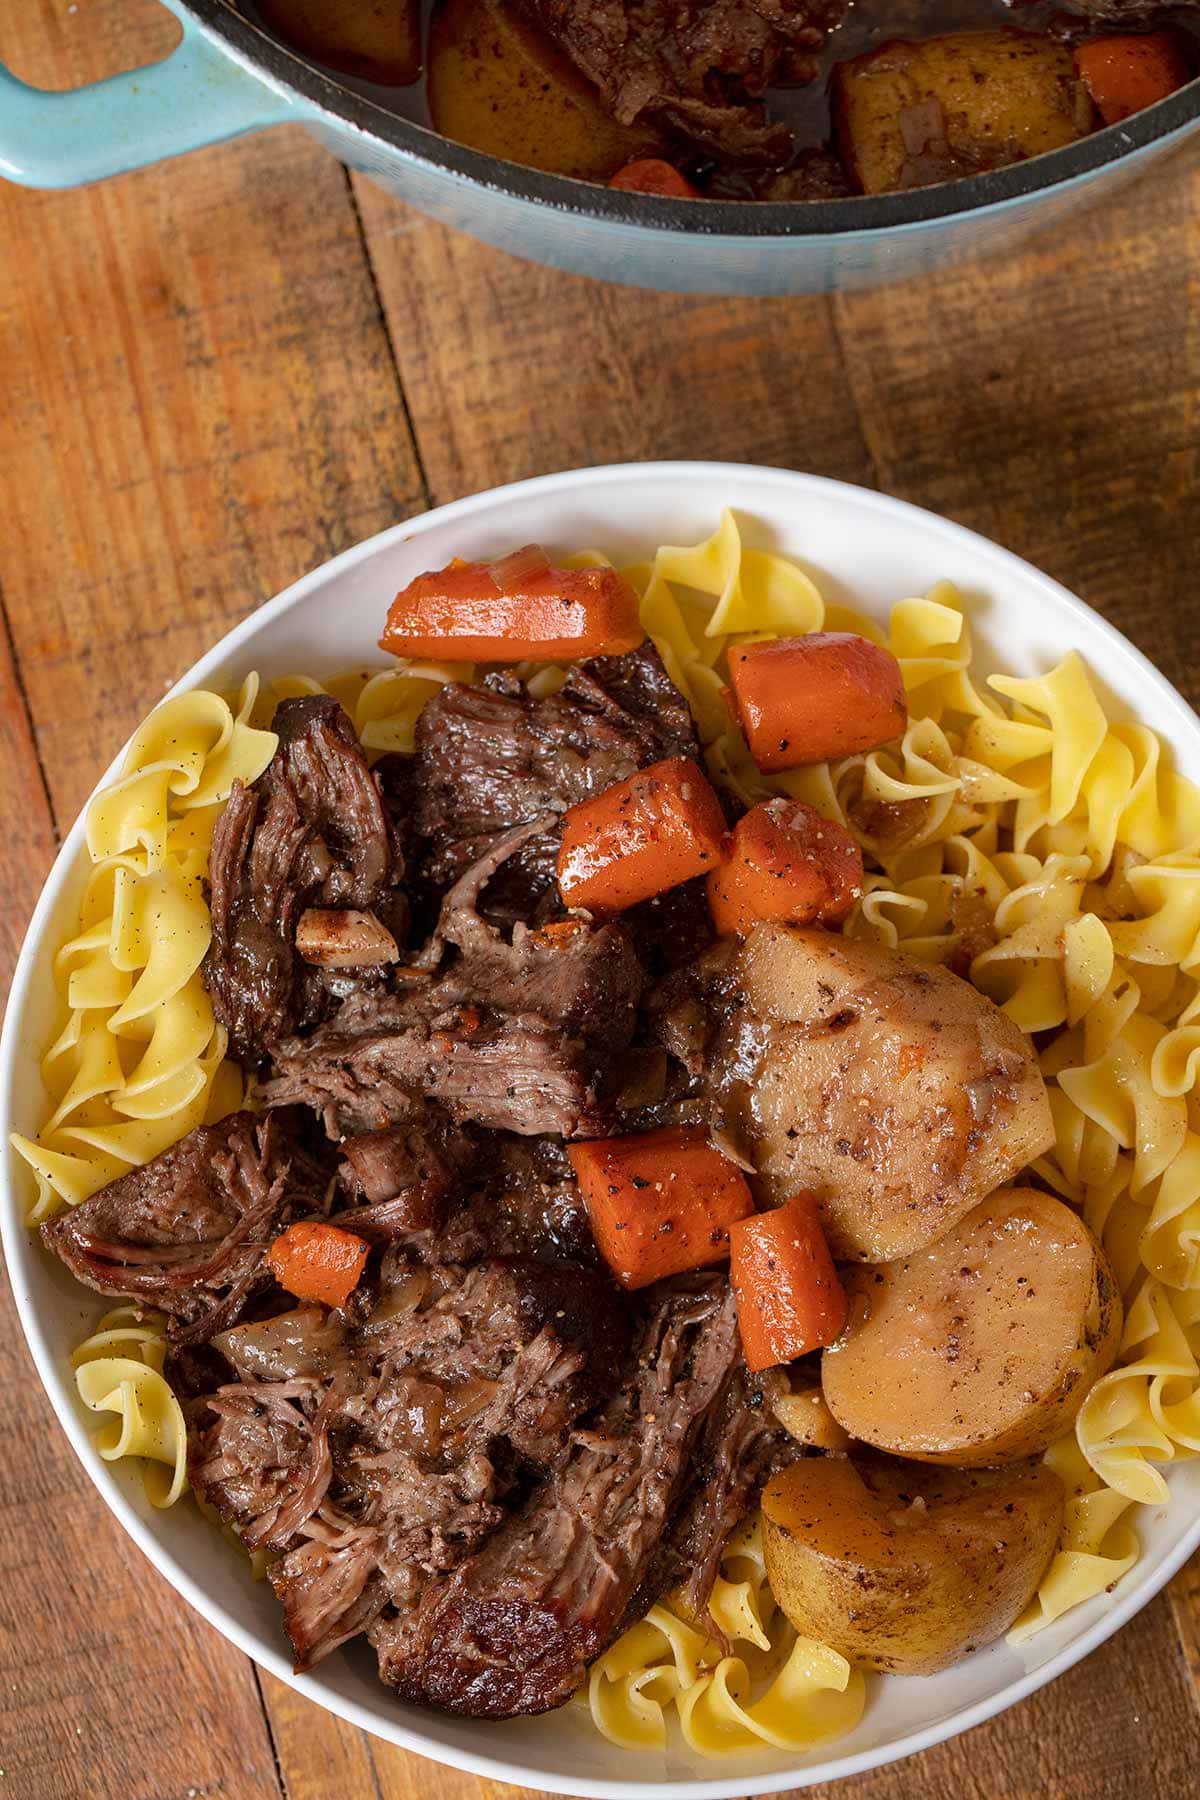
<point>862,548</point>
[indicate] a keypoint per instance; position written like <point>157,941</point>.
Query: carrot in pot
<point>651,175</point>
<point>787,863</point>
<point>316,1261</point>
<point>1124,74</point>
<point>660,1202</point>
<point>640,837</point>
<point>789,1298</point>
<point>809,699</point>
<point>512,609</point>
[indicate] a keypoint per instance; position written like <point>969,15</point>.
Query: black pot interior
<point>713,218</point>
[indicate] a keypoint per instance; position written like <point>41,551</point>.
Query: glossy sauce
<point>868,24</point>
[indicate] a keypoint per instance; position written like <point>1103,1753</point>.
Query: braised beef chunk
<point>510,1072</point>
<point>742,1446</point>
<point>517,1035</point>
<point>376,1452</point>
<point>514,1627</point>
<point>312,831</point>
<point>491,757</point>
<point>186,1232</point>
<point>405,1173</point>
<point>699,67</point>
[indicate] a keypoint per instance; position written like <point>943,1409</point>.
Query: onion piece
<point>511,572</point>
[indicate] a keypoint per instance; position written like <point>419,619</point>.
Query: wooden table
<point>215,375</point>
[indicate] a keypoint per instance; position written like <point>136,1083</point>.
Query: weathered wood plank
<point>199,404</point>
<point>1051,400</point>
<point>513,370</point>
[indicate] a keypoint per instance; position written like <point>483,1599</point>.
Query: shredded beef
<point>186,1232</point>
<point>699,67</point>
<point>311,831</point>
<point>517,1035</point>
<point>376,1450</point>
<point>513,1629</point>
<point>742,1445</point>
<point>491,757</point>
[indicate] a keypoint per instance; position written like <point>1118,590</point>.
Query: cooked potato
<point>805,1416</point>
<point>910,114</point>
<point>889,1088</point>
<point>377,39</point>
<point>498,84</point>
<point>904,1568</point>
<point>980,1349</point>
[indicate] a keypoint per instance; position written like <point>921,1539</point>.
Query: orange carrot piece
<point>788,863</point>
<point>660,1202</point>
<point>1124,74</point>
<point>809,699</point>
<point>509,610</point>
<point>789,1298</point>
<point>651,175</point>
<point>640,837</point>
<point>316,1261</point>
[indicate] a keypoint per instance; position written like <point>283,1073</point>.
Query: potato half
<point>979,1349</point>
<point>889,1088</point>
<point>910,114</point>
<point>499,85</point>
<point>906,1568</point>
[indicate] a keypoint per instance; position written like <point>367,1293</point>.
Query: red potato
<point>787,863</point>
<point>1126,73</point>
<point>789,1298</point>
<point>812,699</point>
<point>317,1261</point>
<point>640,837</point>
<point>513,609</point>
<point>660,1202</point>
<point>651,175</point>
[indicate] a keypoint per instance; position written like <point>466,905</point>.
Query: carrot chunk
<point>516,608</point>
<point>640,837</point>
<point>789,1299</point>
<point>316,1261</point>
<point>651,175</point>
<point>786,863</point>
<point>660,1202</point>
<point>809,699</point>
<point>1124,74</point>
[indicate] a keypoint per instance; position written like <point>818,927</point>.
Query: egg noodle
<point>1013,831</point>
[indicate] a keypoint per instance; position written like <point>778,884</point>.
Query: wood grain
<point>180,435</point>
<point>201,399</point>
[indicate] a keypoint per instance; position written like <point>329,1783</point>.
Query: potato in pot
<point>905,1568</point>
<point>909,114</point>
<point>498,84</point>
<point>979,1349</point>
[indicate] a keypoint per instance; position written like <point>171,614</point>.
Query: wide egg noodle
<point>135,1062</point>
<point>119,1372</point>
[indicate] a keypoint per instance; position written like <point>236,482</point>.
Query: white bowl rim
<point>19,1245</point>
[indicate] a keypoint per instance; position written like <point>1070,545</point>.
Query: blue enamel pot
<point>226,77</point>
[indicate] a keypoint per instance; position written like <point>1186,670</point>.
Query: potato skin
<point>891,1089</point>
<point>905,1568</point>
<point>992,97</point>
<point>499,85</point>
<point>978,1350</point>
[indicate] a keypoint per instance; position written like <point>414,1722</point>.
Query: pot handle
<point>197,95</point>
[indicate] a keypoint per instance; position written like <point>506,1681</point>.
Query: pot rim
<point>288,70</point>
